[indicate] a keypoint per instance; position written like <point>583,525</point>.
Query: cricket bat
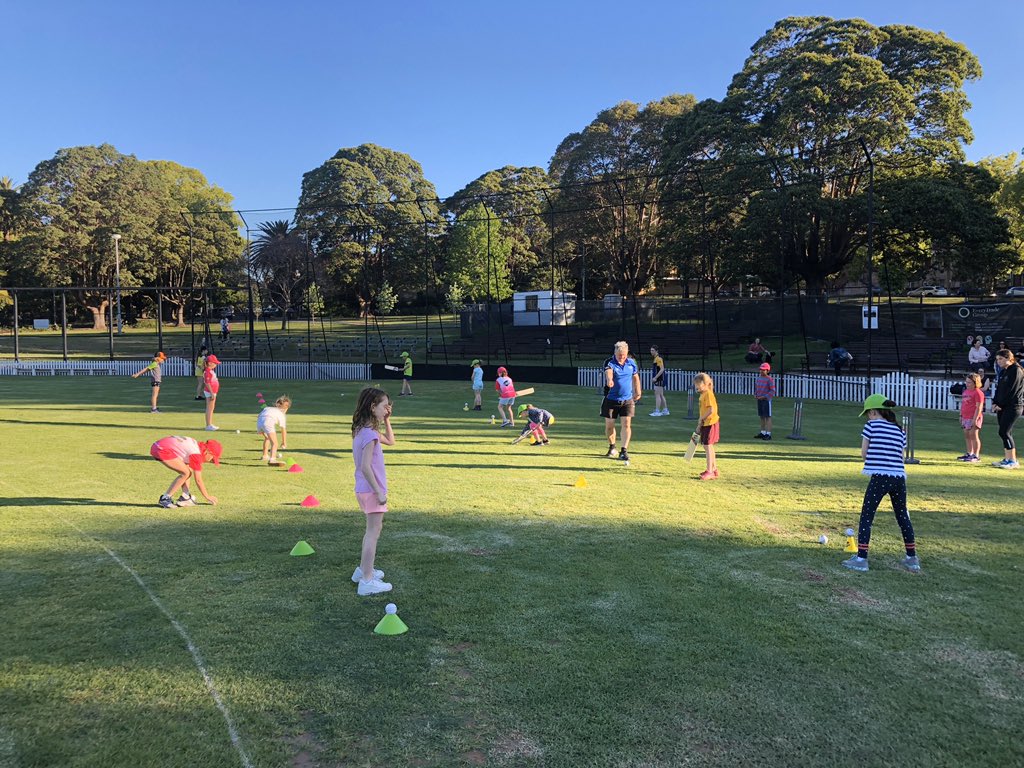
<point>393,367</point>
<point>521,437</point>
<point>524,392</point>
<point>692,447</point>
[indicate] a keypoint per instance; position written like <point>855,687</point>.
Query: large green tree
<point>279,261</point>
<point>514,198</point>
<point>477,259</point>
<point>815,97</point>
<point>371,216</point>
<point>1008,170</point>
<point>609,200</point>
<point>74,203</point>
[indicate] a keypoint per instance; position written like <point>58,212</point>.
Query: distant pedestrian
<point>200,370</point>
<point>882,446</point>
<point>156,376</point>
<point>1008,404</point>
<point>764,393</point>
<point>477,382</point>
<point>225,328</point>
<point>211,386</point>
<point>406,374</point>
<point>658,382</point>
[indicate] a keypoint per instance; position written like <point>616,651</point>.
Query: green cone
<point>301,549</point>
<point>390,625</point>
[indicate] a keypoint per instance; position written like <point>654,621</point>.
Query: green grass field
<point>646,620</point>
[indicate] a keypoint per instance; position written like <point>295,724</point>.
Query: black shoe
<point>476,408</point>
<point>624,455</point>
<point>199,397</point>
<point>759,436</point>
<point>767,436</point>
<point>612,453</point>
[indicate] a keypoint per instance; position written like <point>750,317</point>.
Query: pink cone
<point>311,501</point>
<point>259,394</point>
<point>294,468</point>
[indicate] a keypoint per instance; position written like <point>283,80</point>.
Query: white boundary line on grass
<point>197,657</point>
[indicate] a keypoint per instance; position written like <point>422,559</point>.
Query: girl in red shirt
<point>972,409</point>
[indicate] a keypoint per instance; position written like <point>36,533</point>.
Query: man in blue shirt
<point>622,391</point>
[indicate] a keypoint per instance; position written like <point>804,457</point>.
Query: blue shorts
<point>764,409</point>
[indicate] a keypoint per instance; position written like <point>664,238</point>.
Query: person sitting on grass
<point>756,353</point>
<point>270,418</point>
<point>156,375</point>
<point>185,456</point>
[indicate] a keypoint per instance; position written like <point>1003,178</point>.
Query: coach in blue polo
<point>622,391</point>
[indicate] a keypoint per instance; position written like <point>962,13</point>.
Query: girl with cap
<point>536,420</point>
<point>406,374</point>
<point>371,428</point>
<point>200,370</point>
<point>882,446</point>
<point>477,383</point>
<point>211,386</point>
<point>506,397</point>
<point>185,456</point>
<point>155,374</point>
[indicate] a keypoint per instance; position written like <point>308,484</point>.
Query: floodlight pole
<point>117,279</point>
<point>871,249</point>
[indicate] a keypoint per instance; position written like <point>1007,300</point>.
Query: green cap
<point>522,408</point>
<point>874,402</point>
<point>404,354</point>
<point>476,361</point>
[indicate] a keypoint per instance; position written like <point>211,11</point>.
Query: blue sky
<point>255,94</point>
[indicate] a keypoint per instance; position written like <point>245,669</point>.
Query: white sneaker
<point>656,413</point>
<point>357,574</point>
<point>186,501</point>
<point>665,412</point>
<point>212,428</point>
<point>374,587</point>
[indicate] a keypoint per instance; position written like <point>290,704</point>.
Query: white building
<point>543,308</point>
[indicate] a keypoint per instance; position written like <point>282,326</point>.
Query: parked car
<point>928,290</point>
<point>1015,290</point>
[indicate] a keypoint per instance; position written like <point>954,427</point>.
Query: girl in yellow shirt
<point>708,423</point>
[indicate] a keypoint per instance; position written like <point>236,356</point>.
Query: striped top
<point>886,443</point>
<point>764,388</point>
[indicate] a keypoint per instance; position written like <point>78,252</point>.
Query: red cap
<point>765,367</point>
<point>215,449</point>
<point>502,371</point>
<point>212,359</point>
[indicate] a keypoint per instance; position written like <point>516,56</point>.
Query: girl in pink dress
<point>371,428</point>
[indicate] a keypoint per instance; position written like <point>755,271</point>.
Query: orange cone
<point>311,501</point>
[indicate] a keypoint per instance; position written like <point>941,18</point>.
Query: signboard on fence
<point>993,322</point>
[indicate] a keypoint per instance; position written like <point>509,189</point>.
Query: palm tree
<point>277,261</point>
<point>8,207</point>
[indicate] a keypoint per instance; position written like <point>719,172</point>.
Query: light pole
<point>117,280</point>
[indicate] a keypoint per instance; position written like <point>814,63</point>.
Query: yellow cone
<point>581,482</point>
<point>851,544</point>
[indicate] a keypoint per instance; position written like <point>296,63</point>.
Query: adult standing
<point>1008,404</point>
<point>658,382</point>
<point>622,391</point>
<point>978,356</point>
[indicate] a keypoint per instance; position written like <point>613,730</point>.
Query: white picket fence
<point>906,390</point>
<point>177,366</point>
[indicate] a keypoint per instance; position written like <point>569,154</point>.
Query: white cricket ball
<point>390,608</point>
<point>238,431</point>
<point>849,531</point>
<point>823,539</point>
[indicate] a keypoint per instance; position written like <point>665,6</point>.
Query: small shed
<point>543,308</point>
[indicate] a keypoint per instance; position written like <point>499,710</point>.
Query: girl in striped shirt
<point>882,447</point>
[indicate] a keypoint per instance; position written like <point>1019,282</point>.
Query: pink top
<point>505,387</point>
<point>969,403</point>
<point>210,381</point>
<point>364,437</point>
<point>184,448</point>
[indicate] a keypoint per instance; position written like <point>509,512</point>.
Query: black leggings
<point>1006,417</point>
<point>896,488</point>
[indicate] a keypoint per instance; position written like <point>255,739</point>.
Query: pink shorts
<point>160,453</point>
<point>369,504</point>
<point>970,423</point>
